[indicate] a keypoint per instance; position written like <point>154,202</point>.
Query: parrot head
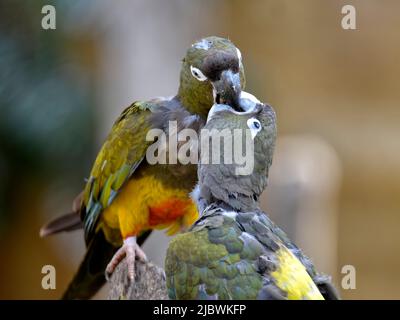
<point>226,181</point>
<point>212,72</point>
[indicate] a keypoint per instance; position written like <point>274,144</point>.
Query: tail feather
<point>325,286</point>
<point>90,276</point>
<point>328,291</point>
<point>67,222</point>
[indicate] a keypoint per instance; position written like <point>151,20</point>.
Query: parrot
<point>234,250</point>
<point>126,197</point>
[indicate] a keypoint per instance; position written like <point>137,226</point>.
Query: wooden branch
<point>149,283</point>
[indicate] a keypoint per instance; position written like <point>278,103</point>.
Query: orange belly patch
<point>145,203</point>
<point>168,211</point>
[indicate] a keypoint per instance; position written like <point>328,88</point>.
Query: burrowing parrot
<point>234,251</point>
<point>125,197</point>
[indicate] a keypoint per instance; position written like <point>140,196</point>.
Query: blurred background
<point>335,182</point>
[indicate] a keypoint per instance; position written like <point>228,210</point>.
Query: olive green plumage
<point>212,260</point>
<point>198,95</point>
<point>235,256</point>
<point>125,147</point>
<point>120,155</point>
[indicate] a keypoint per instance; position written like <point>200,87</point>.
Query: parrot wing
<point>212,262</point>
<point>229,255</point>
<point>121,154</point>
<point>323,282</point>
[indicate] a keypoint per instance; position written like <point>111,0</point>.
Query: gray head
<point>253,135</point>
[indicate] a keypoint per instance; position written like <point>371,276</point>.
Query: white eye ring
<point>197,74</point>
<point>254,126</point>
<point>239,54</point>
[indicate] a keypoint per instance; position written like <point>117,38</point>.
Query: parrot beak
<point>227,89</point>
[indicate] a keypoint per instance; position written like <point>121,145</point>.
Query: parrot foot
<point>130,249</point>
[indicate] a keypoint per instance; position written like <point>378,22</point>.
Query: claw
<point>130,249</point>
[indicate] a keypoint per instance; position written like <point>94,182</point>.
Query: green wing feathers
<point>235,256</point>
<point>121,154</point>
<point>210,263</point>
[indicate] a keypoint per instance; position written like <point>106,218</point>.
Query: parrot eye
<point>254,126</point>
<point>197,74</point>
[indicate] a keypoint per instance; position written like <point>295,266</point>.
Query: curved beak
<point>227,89</point>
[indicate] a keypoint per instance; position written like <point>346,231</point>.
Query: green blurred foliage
<point>46,120</point>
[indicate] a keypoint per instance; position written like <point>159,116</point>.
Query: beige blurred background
<point>334,184</point>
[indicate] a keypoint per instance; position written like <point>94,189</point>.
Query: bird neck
<point>242,203</point>
<point>239,203</point>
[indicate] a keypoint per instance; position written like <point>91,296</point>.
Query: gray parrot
<point>234,251</point>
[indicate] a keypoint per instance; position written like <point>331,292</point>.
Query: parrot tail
<point>325,286</point>
<point>91,273</point>
<point>90,276</point>
<point>67,222</point>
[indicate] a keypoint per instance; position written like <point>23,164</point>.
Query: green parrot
<point>125,196</point>
<point>234,251</point>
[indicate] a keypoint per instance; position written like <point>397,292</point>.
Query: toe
<point>140,254</point>
<point>130,260</point>
<point>116,259</point>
